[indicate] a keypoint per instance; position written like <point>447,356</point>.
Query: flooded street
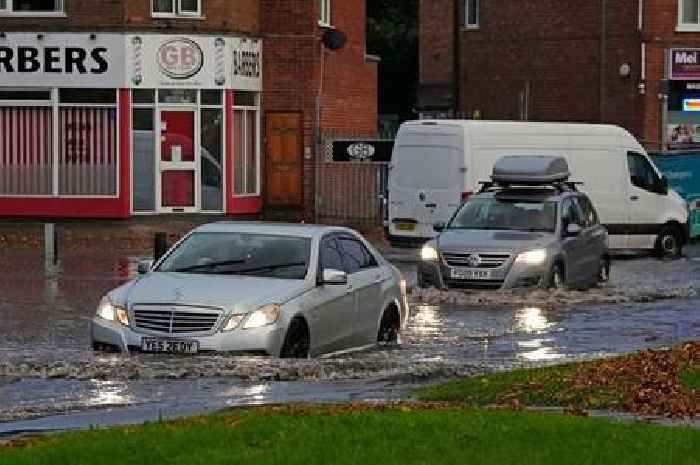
<point>47,367</point>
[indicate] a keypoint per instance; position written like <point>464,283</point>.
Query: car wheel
<point>603,271</point>
<point>389,327</point>
<point>668,244</point>
<point>297,341</point>
<point>557,278</point>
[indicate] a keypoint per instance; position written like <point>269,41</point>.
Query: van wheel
<point>297,341</point>
<point>668,244</point>
<point>603,271</point>
<point>557,279</point>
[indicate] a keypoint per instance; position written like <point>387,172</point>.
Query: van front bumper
<point>268,339</point>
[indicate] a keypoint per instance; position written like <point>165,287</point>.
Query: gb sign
<point>180,58</point>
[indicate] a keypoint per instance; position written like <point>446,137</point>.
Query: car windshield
<point>506,214</point>
<point>267,256</point>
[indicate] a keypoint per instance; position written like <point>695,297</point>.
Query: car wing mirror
<point>334,277</point>
<point>573,230</point>
<point>439,227</point>
<point>145,266</point>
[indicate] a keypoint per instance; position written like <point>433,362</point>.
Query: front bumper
<point>268,339</point>
<point>511,275</point>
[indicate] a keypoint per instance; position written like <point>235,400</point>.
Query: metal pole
<point>50,249</point>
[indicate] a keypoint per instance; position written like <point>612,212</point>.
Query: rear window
<point>423,167</point>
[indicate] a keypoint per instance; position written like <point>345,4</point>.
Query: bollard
<point>160,245</point>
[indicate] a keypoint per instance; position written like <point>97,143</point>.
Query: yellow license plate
<point>405,227</point>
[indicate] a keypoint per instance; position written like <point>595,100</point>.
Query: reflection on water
<point>109,393</point>
<point>426,318</point>
<point>532,320</point>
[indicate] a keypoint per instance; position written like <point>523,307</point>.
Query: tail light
<point>465,196</point>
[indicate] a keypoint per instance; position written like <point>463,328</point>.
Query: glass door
<point>178,161</point>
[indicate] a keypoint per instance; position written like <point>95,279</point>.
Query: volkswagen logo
<point>474,261</point>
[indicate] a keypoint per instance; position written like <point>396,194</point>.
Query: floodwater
<point>50,379</point>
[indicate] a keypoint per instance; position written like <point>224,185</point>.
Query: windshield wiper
<point>205,266</point>
<point>271,267</point>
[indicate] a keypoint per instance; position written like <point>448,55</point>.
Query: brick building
<point>635,63</point>
<point>114,108</point>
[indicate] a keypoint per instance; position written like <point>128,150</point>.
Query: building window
<point>174,8</point>
<point>31,7</point>
<point>688,15</point>
<point>325,12</point>
<point>87,139</point>
<point>471,13</point>
<point>246,144</point>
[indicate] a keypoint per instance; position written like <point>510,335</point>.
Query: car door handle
<point>634,198</point>
<point>431,205</point>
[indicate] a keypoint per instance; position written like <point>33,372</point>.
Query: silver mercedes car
<point>527,228</point>
<point>283,290</point>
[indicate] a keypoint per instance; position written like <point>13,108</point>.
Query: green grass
<point>539,387</point>
<point>402,435</point>
<point>690,377</point>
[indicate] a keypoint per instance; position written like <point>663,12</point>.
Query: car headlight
<point>263,316</point>
<point>107,310</point>
<point>428,253</point>
<point>533,257</point>
<point>233,322</point>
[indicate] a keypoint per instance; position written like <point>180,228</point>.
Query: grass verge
<point>651,382</point>
<point>400,434</point>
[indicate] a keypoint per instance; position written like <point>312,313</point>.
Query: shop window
<point>212,159</point>
<point>246,151</point>
<point>88,156</point>
<point>177,96</point>
<point>87,96</point>
<point>26,158</point>
<point>688,14</point>
<point>325,12</point>
<point>33,95</point>
<point>31,7</point>
<point>245,99</point>
<point>144,96</point>
<point>211,97</point>
<point>170,8</point>
<point>144,164</point>
<point>471,13</point>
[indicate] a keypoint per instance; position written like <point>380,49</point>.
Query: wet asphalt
<point>50,378</point>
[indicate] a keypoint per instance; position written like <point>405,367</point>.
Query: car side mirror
<point>145,266</point>
<point>573,230</point>
<point>439,227</point>
<point>663,185</point>
<point>334,277</point>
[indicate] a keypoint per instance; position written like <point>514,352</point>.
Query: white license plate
<point>469,274</point>
<point>170,346</point>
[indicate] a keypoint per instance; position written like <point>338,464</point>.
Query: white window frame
<point>475,23</point>
<point>325,17</point>
<point>9,10</point>
<point>686,27</point>
<point>177,11</point>
<point>258,175</point>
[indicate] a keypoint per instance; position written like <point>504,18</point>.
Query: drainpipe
<point>603,56</point>
<point>456,75</point>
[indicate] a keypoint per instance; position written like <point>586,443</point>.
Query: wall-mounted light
<point>40,37</point>
<point>625,70</point>
<point>93,36</point>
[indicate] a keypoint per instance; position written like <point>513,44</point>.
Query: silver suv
<point>527,228</point>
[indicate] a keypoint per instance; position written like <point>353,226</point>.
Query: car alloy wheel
<point>668,245</point>
<point>389,328</point>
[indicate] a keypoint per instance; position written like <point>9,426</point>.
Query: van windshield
<point>428,167</point>
<point>506,214</point>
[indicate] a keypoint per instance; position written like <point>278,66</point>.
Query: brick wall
<point>436,41</point>
<point>240,16</point>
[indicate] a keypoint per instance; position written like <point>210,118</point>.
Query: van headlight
<point>532,257</point>
<point>263,316</point>
<point>107,310</point>
<point>428,253</point>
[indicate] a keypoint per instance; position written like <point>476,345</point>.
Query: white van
<point>437,164</point>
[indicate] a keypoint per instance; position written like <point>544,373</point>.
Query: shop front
<point>114,125</point>
<point>683,111</point>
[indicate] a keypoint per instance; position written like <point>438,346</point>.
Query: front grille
<point>474,284</point>
<point>486,260</point>
<point>175,320</point>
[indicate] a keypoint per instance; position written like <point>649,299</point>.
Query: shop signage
<point>378,151</point>
<point>193,62</point>
<point>684,64</point>
<point>61,60</point>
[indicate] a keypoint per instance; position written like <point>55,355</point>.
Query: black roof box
<point>530,170</point>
